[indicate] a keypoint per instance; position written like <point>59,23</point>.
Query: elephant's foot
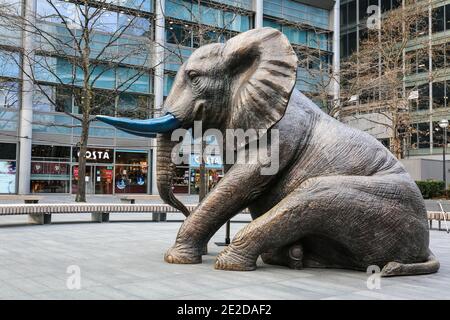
<point>231,259</point>
<point>183,255</point>
<point>290,256</point>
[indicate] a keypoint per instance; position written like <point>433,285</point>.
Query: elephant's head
<point>244,83</point>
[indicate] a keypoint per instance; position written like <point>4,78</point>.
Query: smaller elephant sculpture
<point>340,199</point>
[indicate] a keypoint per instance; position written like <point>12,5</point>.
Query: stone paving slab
<point>125,261</point>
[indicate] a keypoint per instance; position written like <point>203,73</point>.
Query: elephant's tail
<point>393,269</point>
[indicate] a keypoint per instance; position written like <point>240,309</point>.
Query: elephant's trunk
<point>165,169</point>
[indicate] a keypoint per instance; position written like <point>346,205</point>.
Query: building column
<point>26,107</point>
<point>158,83</point>
<point>335,24</point>
<point>430,73</point>
<point>258,8</point>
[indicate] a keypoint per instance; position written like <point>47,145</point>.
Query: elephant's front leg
<point>280,227</point>
<point>228,198</point>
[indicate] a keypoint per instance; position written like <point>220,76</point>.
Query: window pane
<point>424,97</point>
<point>48,152</point>
<point>385,5</point>
<point>134,26</point>
<point>179,34</point>
<point>9,94</point>
<point>447,17</point>
<point>105,21</point>
<point>168,83</point>
<point>50,177</point>
<point>423,135</point>
<point>344,14</point>
<point>363,4</point>
<point>131,179</point>
<point>9,64</point>
<point>43,97</point>
<point>132,80</point>
<point>438,19</point>
<point>133,106</point>
<point>135,157</point>
<point>352,12</point>
<point>438,95</point>
<point>7,176</point>
<point>103,77</point>
<point>52,123</point>
<point>8,151</point>
<point>179,9</point>
<point>272,24</point>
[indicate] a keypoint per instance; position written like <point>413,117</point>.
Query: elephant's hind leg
<point>369,220</point>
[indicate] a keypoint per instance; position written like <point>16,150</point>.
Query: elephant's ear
<point>263,66</point>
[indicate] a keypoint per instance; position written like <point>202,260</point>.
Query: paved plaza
<point>124,260</point>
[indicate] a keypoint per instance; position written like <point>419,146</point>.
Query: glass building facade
<point>116,161</point>
<point>428,71</point>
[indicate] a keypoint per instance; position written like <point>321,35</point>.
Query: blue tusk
<point>144,128</point>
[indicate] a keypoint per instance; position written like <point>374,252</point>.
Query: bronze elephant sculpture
<point>340,199</point>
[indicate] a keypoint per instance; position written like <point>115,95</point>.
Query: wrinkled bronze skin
<point>340,199</point>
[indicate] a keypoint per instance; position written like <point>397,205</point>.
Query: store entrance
<point>99,179</point>
<point>213,177</point>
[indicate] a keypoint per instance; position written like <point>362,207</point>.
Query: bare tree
<point>315,62</point>
<point>93,51</point>
<point>374,76</point>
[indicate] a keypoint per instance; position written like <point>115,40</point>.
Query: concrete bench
<point>439,217</point>
<point>131,198</point>
<point>27,198</point>
<point>42,213</point>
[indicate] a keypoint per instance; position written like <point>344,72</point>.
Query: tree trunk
<point>81,191</point>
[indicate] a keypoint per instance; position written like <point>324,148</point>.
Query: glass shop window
<point>131,171</point>
<point>50,169</point>
<point>50,153</point>
<point>8,168</point>
<point>133,158</point>
<point>181,180</point>
<point>8,151</point>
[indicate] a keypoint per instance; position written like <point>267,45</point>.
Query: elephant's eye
<point>193,75</point>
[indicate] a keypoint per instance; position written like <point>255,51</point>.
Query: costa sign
<point>97,155</point>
